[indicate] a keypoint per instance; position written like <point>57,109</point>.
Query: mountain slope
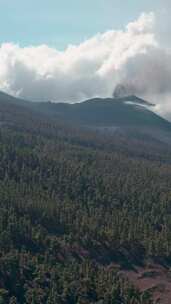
<point>130,111</point>
<point>125,111</point>
<point>129,115</point>
<point>79,211</point>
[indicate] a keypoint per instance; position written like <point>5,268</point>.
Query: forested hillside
<point>77,208</point>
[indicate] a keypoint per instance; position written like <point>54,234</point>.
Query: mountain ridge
<point>130,115</point>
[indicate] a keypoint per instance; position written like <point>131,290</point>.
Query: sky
<point>58,23</point>
<point>69,51</point>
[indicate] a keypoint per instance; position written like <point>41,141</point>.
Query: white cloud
<point>92,68</point>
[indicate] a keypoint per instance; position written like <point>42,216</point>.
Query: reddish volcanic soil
<point>154,278</point>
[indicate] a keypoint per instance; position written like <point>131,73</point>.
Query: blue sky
<point>59,23</point>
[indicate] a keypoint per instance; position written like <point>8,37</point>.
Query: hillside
<point>125,111</point>
<point>81,212</point>
<point>106,112</point>
<point>129,116</point>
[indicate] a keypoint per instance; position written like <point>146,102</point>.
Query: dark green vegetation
<point>75,207</point>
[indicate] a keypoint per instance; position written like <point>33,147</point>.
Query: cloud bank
<point>133,57</point>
